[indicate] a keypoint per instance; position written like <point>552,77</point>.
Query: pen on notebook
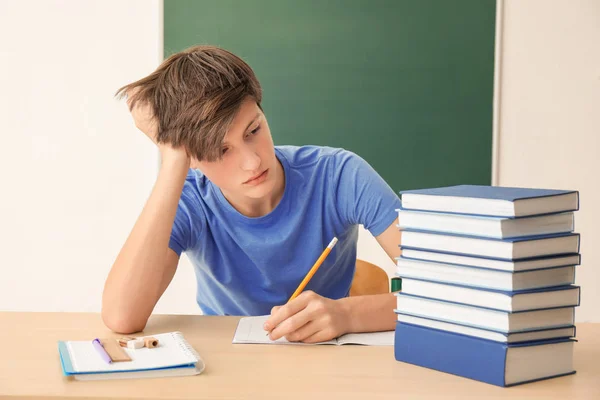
<point>313,270</point>
<point>100,350</point>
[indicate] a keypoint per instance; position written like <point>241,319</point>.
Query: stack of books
<point>488,279</point>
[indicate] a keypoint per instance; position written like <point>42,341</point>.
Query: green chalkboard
<point>406,84</point>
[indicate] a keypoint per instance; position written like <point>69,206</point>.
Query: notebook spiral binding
<point>185,346</point>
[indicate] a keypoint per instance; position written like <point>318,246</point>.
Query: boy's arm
<point>312,318</point>
<point>146,264</point>
<point>376,312</point>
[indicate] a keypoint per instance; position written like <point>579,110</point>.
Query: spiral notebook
<point>174,356</point>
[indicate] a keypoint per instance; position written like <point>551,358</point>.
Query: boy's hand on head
<point>143,116</point>
<point>308,318</point>
<point>144,119</point>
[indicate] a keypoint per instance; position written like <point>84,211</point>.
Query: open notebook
<point>250,331</point>
<point>173,357</point>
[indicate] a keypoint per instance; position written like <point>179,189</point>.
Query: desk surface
<point>30,366</point>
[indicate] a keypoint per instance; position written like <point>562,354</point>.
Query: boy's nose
<point>250,160</point>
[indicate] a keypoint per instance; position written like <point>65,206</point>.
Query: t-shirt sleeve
<point>362,196</point>
<point>188,222</point>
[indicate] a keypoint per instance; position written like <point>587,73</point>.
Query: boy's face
<point>248,167</point>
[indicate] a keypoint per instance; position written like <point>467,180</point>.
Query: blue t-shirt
<point>245,266</point>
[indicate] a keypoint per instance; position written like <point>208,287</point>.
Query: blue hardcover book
<point>483,360</point>
<point>483,226</point>
<point>489,334</point>
<point>491,263</point>
<point>484,317</point>
<point>510,301</point>
<point>485,278</point>
<point>491,200</point>
<point>506,249</point>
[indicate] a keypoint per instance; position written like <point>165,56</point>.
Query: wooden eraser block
<point>150,342</point>
<point>123,341</point>
<point>135,344</point>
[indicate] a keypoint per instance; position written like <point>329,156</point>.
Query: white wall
<point>549,115</point>
<point>74,170</point>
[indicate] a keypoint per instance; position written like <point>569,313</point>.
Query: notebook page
<point>250,330</point>
<point>368,339</point>
<point>172,350</point>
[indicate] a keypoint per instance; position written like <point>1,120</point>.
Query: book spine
<point>469,357</point>
<point>65,359</point>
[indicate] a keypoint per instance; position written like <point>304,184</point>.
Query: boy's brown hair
<point>195,95</point>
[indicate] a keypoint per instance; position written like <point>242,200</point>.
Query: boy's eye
<point>255,130</point>
<point>224,150</point>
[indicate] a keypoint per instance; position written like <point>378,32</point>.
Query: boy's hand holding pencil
<point>307,316</point>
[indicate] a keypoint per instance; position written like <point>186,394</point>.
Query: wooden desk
<point>30,367</point>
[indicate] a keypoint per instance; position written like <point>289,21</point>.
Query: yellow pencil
<point>313,270</point>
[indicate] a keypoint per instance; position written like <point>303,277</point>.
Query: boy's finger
<point>305,331</point>
<point>292,324</point>
<point>274,309</point>
<point>284,312</point>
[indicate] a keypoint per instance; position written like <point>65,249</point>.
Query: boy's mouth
<point>257,178</point>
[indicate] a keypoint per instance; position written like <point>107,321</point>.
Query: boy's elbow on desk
<point>123,323</point>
